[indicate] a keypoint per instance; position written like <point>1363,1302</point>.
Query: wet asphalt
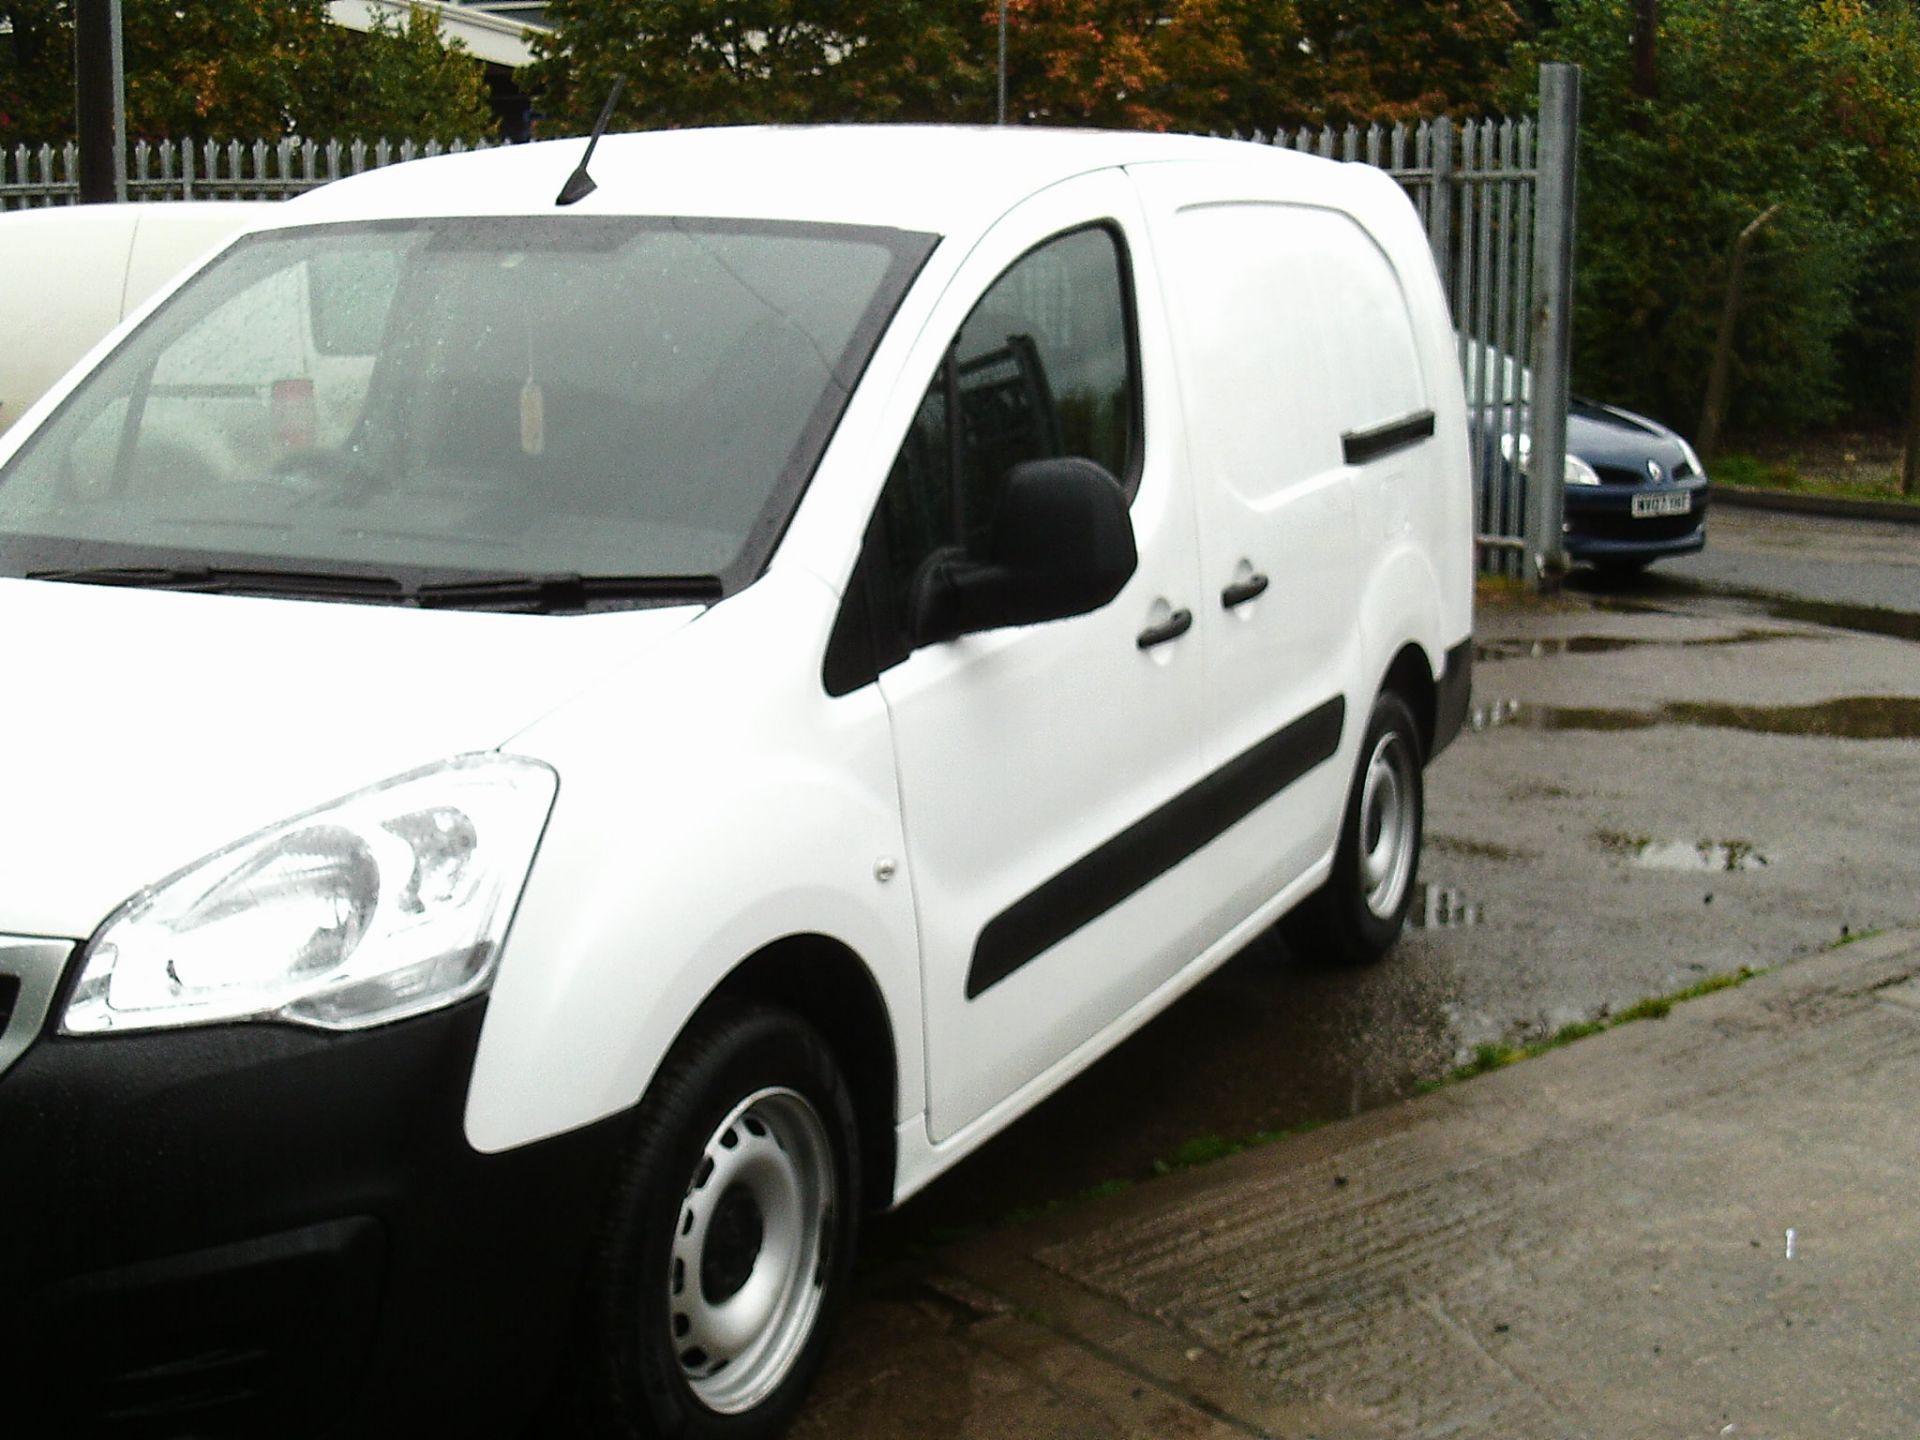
<point>1660,783</point>
<point>1851,562</point>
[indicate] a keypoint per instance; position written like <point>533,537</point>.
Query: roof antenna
<point>580,184</point>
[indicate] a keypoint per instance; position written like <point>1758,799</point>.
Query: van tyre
<point>728,1241</point>
<point>1359,913</point>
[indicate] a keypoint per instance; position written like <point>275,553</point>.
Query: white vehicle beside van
<point>76,271</point>
<point>558,753</point>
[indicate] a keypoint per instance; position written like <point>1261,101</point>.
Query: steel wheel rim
<point>1387,826</point>
<point>746,1275</point>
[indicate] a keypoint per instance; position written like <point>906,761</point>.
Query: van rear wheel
<point>728,1241</point>
<point>1359,913</point>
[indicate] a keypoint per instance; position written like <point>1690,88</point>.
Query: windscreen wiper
<point>545,594</point>
<point>231,580</point>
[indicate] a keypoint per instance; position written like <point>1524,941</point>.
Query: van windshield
<point>467,411</point>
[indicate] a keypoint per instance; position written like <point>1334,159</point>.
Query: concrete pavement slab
<point>1700,1225</point>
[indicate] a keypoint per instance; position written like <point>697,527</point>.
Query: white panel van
<point>560,752</point>
<point>76,271</point>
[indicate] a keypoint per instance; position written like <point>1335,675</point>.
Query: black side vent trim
<point>1357,447</point>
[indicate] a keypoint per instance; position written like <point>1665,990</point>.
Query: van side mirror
<point>1061,545</point>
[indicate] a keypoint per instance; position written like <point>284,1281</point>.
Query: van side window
<point>1043,367</point>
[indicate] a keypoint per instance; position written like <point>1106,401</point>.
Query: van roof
<point>930,178</point>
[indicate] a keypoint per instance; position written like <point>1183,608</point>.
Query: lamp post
<point>100,100</point>
<point>1001,114</point>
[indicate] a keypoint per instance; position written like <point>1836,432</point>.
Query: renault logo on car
<point>1654,472</point>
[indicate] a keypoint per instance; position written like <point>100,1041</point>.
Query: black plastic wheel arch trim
<point>1153,845</point>
<point>1357,447</point>
<point>1455,695</point>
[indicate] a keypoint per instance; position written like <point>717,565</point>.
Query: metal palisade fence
<point>209,169</point>
<point>1496,197</point>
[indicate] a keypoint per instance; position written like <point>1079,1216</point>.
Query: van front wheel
<point>729,1240</point>
<point>1359,913</point>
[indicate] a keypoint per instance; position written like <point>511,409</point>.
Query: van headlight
<point>388,903</point>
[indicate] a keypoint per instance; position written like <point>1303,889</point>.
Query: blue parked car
<point>1635,490</point>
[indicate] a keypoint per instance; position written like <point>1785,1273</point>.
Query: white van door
<point>1271,313</point>
<point>1037,763</point>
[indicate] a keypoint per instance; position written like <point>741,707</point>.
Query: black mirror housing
<point>1062,545</point>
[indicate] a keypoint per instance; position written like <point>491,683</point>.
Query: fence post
<point>1554,202</point>
<point>1440,212</point>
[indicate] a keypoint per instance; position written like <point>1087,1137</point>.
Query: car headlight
<point>1517,450</point>
<point>1692,457</point>
<point>388,903</point>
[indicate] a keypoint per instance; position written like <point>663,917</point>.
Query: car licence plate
<point>1671,502</point>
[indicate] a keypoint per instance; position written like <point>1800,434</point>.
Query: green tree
<point>243,68</point>
<point>1123,64</point>
<point>1220,65</point>
<point>1750,114</point>
<point>688,62</point>
<point>400,81</point>
<point>36,72</point>
<point>1872,66</point>
<point>1338,62</point>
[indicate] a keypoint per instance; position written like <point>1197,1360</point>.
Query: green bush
<point>1759,103</point>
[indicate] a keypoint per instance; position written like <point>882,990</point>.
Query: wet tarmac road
<point>1660,785</point>
<point>1853,563</point>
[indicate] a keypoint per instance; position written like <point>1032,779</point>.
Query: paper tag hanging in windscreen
<point>533,418</point>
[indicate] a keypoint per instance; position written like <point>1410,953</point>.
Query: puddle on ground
<point>1865,619</point>
<point>1492,651</point>
<point>1493,714</point>
<point>1275,1039</point>
<point>1851,717</point>
<point>1440,907</point>
<point>1718,857</point>
<point>1835,615</point>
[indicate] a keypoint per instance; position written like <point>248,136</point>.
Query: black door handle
<point>1241,591</point>
<point>1171,628</point>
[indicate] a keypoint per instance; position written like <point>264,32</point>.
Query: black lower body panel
<point>253,1231</point>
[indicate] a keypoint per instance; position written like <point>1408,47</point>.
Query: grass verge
<point>1654,1007</point>
<point>1845,482</point>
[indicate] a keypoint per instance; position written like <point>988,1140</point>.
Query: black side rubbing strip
<point>1153,845</point>
<point>1359,446</point>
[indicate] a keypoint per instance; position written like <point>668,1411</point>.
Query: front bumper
<point>256,1230</point>
<point>1601,526</point>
